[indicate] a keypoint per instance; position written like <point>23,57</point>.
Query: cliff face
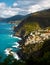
<point>34,21</point>
<point>38,52</point>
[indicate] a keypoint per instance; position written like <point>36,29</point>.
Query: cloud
<point>15,4</point>
<point>43,4</point>
<point>34,8</point>
<point>6,11</point>
<point>2,5</point>
<point>23,7</point>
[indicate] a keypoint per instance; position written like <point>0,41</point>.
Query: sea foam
<point>15,55</point>
<point>8,52</point>
<point>16,45</point>
<point>15,37</point>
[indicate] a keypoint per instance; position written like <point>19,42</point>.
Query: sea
<point>7,40</point>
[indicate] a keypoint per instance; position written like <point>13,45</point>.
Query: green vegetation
<point>48,28</point>
<point>34,21</point>
<point>35,54</point>
<point>30,26</point>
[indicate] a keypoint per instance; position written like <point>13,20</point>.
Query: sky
<point>9,8</point>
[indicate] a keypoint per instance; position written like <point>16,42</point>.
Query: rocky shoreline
<point>31,49</point>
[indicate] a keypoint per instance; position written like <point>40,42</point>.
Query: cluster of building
<point>37,37</point>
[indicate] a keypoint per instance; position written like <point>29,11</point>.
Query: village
<point>38,36</point>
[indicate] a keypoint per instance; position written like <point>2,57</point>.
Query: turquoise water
<point>6,40</point>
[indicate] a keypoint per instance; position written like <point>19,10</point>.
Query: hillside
<point>13,18</point>
<point>1,19</point>
<point>34,21</point>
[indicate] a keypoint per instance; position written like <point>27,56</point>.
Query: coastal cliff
<point>35,33</point>
<point>34,21</point>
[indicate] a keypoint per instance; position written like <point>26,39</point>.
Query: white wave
<point>15,37</point>
<point>11,35</point>
<point>16,45</point>
<point>15,55</point>
<point>9,28</point>
<point>16,25</point>
<point>7,51</point>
